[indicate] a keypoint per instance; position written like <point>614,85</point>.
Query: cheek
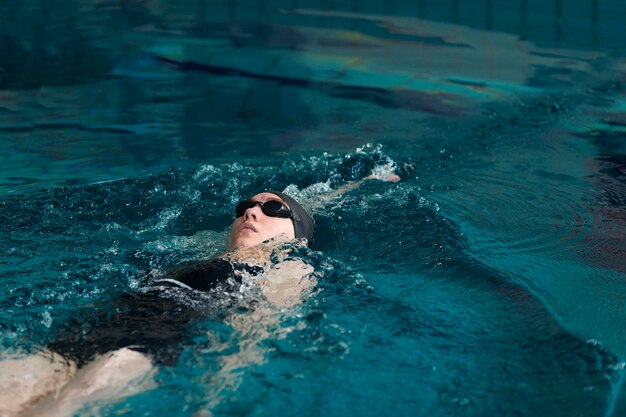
<point>233,226</point>
<point>278,227</point>
<point>288,229</point>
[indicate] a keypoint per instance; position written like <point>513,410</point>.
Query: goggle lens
<point>271,208</point>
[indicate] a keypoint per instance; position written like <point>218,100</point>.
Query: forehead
<point>263,197</point>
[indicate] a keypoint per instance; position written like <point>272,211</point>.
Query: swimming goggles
<point>271,208</point>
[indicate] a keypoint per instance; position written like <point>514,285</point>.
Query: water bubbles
<point>462,401</point>
<point>310,192</point>
<point>159,189</point>
<point>206,172</point>
<point>168,251</point>
<point>46,319</point>
<point>384,171</point>
<point>369,148</point>
<point>166,216</point>
<point>114,250</point>
<point>163,220</point>
<point>193,196</point>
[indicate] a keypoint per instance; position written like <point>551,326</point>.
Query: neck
<point>262,253</point>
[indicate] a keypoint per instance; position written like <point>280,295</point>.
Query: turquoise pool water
<point>489,281</point>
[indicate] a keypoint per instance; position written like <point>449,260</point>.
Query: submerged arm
<point>285,285</point>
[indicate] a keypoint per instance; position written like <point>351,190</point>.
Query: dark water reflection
<point>96,90</point>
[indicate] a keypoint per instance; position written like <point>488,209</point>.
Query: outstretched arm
<point>383,173</point>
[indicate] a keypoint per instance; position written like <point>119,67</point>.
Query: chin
<point>244,243</point>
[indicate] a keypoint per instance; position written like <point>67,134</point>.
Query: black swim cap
<point>303,224</point>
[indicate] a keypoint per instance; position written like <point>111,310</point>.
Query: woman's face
<point>255,227</point>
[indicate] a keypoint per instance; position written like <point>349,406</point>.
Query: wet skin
<point>255,227</point>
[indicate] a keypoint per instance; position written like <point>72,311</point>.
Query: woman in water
<point>73,373</point>
<point>62,379</point>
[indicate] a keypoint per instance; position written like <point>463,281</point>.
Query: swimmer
<point>61,381</point>
<point>64,379</point>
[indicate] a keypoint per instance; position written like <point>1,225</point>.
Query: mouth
<point>247,226</point>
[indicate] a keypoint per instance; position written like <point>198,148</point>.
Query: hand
<point>384,173</point>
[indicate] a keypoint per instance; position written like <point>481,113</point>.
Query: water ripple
<point>526,216</point>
